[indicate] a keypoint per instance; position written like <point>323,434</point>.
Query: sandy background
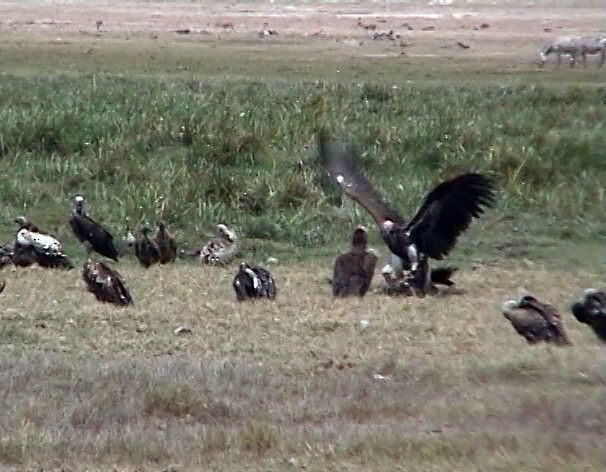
<point>421,30</point>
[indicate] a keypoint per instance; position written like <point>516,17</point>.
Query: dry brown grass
<point>274,386</point>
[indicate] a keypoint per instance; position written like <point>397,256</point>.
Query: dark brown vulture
<point>166,244</point>
<point>105,283</point>
<point>354,269</point>
<point>445,213</point>
<point>253,282</point>
<point>536,321</point>
<point>590,309</point>
<point>91,234</point>
<point>146,249</point>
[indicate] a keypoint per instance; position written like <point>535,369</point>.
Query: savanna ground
<point>217,125</point>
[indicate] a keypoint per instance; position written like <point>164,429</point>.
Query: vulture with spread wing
<point>92,235</point>
<point>590,309</point>
<point>536,321</point>
<point>253,282</point>
<point>146,250</point>
<point>445,213</point>
<point>354,269</point>
<point>166,244</point>
<point>105,283</point>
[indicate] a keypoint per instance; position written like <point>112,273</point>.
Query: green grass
<point>198,152</point>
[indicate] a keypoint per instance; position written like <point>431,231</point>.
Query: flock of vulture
<point>444,214</point>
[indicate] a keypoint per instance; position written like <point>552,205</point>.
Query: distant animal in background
<point>354,269</point>
<point>166,244</point>
<point>92,235</point>
<point>146,249</point>
<point>105,283</point>
<point>590,309</point>
<point>2,286</point>
<point>536,321</point>
<point>253,282</point>
<point>35,246</point>
<point>573,47</point>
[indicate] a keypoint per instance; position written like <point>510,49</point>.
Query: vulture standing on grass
<point>38,246</point>
<point>590,309</point>
<point>166,244</point>
<point>146,249</point>
<point>105,283</point>
<point>354,269</point>
<point>253,282</point>
<point>536,321</point>
<point>219,250</point>
<point>445,213</point>
<point>91,234</point>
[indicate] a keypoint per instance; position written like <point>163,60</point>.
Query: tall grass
<point>195,153</point>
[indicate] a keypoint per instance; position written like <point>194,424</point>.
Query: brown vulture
<point>432,232</point>
<point>166,244</point>
<point>253,282</point>
<point>105,283</point>
<point>536,321</point>
<point>354,269</point>
<point>2,286</point>
<point>590,309</point>
<point>91,234</point>
<point>146,249</point>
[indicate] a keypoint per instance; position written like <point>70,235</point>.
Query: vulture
<point>536,321</point>
<point>253,282</point>
<point>590,309</point>
<point>6,254</point>
<point>105,283</point>
<point>444,214</point>
<point>92,235</point>
<point>221,249</point>
<point>147,250</point>
<point>166,244</point>
<point>2,286</point>
<point>42,248</point>
<point>126,244</point>
<point>354,269</point>
<point>413,285</point>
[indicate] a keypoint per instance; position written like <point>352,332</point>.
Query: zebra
<point>573,47</point>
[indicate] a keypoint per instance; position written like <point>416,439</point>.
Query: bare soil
<point>505,34</point>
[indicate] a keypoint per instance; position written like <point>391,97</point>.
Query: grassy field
<point>436,384</point>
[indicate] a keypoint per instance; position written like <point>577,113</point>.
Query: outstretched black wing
<point>447,211</point>
<point>342,170</point>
